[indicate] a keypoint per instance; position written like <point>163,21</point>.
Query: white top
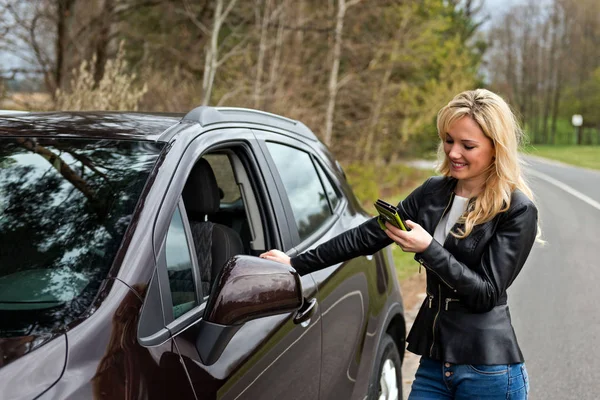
<point>459,205</point>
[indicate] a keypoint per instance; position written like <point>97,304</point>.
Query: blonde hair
<point>498,123</point>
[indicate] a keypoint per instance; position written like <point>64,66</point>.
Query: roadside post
<point>577,121</point>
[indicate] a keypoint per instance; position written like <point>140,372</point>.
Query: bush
<point>115,91</point>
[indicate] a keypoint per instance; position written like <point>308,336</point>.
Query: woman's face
<point>469,151</point>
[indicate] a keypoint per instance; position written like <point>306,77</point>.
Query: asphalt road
<point>555,301</point>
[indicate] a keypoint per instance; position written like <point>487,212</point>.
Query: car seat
<point>214,243</point>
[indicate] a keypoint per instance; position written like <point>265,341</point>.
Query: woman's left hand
<point>415,241</point>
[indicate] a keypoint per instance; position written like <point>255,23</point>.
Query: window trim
<point>318,234</point>
<point>332,168</point>
<point>166,291</point>
<point>255,214</point>
<point>338,192</point>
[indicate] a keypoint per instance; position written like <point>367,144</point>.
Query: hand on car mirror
<point>276,255</point>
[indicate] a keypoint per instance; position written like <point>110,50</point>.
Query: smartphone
<point>388,212</point>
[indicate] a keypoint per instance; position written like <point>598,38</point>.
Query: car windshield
<point>64,208</point>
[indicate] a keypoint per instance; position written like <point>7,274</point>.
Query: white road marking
<point>565,187</point>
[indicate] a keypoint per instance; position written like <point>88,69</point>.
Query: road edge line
<point>565,187</point>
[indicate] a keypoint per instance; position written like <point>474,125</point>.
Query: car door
<point>321,211</point>
<point>267,358</point>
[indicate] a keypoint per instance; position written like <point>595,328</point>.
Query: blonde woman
<point>472,230</point>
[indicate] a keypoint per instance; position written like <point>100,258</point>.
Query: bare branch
<point>228,9</point>
<point>188,12</point>
<point>61,166</point>
<point>234,51</point>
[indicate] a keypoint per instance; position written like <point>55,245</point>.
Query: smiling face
<point>469,152</point>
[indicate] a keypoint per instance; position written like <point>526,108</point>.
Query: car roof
<point>140,125</point>
<point>101,125</point>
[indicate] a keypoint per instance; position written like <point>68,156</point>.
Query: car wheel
<point>386,380</point>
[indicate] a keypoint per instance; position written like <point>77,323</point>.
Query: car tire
<point>386,379</point>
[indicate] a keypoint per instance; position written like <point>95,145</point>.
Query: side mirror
<point>246,288</point>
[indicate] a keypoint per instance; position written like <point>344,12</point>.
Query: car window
<point>332,194</point>
<point>65,205</point>
<point>179,267</point>
<point>303,187</point>
<point>221,166</point>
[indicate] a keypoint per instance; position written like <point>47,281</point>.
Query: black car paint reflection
<point>65,206</point>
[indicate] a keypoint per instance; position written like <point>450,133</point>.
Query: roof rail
<point>205,116</point>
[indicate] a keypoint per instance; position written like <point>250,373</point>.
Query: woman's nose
<point>454,153</point>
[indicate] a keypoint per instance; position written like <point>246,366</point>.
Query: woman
<point>472,229</point>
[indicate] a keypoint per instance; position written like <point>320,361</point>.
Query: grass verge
<point>581,156</point>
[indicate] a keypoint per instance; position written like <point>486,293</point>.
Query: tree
<point>362,75</point>
<point>334,84</point>
<point>543,60</point>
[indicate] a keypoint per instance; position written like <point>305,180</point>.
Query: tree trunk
<point>332,88</point>
<point>64,8</point>
<point>550,81</point>
<point>211,59</point>
<point>379,101</point>
<point>274,71</point>
<point>333,77</point>
<point>262,49</point>
<point>103,39</point>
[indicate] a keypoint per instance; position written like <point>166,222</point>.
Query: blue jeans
<point>438,380</point>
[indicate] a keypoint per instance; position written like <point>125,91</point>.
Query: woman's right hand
<point>276,255</point>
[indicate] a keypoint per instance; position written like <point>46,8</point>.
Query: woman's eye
<point>469,147</point>
<point>449,141</point>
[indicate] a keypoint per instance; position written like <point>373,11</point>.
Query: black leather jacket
<point>465,317</point>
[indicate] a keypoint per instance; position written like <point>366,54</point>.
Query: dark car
<point>129,268</point>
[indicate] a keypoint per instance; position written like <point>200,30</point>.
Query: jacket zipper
<point>435,320</point>
<point>430,296</point>
<point>438,275</point>
<point>448,300</point>
<point>439,286</point>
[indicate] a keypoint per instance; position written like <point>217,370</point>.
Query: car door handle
<point>304,314</point>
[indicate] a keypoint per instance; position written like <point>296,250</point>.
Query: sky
<point>496,8</point>
<point>501,5</point>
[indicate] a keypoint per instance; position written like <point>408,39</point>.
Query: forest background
<point>366,76</point>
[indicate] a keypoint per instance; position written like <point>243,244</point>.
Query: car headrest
<point>201,194</point>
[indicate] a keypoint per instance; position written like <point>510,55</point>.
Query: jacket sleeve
<point>409,207</point>
<point>503,259</point>
<point>365,239</point>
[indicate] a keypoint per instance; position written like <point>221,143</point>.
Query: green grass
<point>405,264</point>
<point>581,156</point>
